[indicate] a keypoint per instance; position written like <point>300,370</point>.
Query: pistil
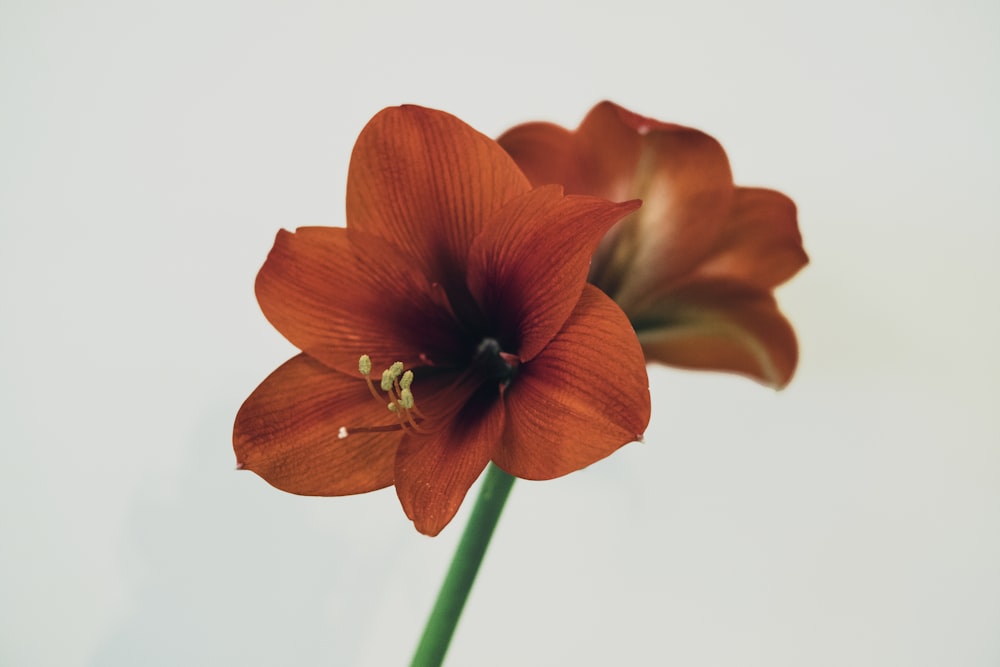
<point>499,365</point>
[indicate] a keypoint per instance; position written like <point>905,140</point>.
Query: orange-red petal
<point>610,147</point>
<point>434,472</point>
<point>683,178</point>
<point>583,397</point>
<point>337,297</point>
<point>760,244</point>
<point>720,325</point>
<point>546,153</point>
<point>288,430</point>
<point>528,267</point>
<point>681,175</point>
<point>427,182</point>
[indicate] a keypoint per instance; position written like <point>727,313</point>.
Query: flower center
<point>489,364</point>
<point>497,364</point>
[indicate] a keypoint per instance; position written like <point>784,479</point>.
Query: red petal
<point>287,432</point>
<point>546,153</point>
<point>682,176</point>
<point>529,265</point>
<point>427,182</point>
<point>433,473</point>
<point>338,297</point>
<point>598,159</point>
<point>760,243</point>
<point>724,326</point>
<point>610,150</point>
<point>584,396</point>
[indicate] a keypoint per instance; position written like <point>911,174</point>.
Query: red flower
<point>471,287</point>
<point>695,267</point>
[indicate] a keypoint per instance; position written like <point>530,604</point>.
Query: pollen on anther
<point>406,398</point>
<point>406,380</point>
<point>342,433</point>
<point>387,380</point>
<point>365,365</point>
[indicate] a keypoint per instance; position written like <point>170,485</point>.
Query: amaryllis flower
<point>449,325</point>
<point>695,267</point>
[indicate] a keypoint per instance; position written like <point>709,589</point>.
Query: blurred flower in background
<point>695,267</point>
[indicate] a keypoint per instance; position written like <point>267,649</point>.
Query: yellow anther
<point>387,380</point>
<point>365,365</point>
<point>406,398</point>
<point>391,406</point>
<point>390,375</point>
<point>406,380</point>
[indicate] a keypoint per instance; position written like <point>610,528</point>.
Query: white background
<point>150,151</point>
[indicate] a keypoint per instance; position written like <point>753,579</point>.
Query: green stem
<point>464,566</point>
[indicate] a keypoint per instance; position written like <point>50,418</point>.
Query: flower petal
<point>599,158</point>
<point>338,296</point>
<point>584,396</point>
<point>529,265</point>
<point>720,325</point>
<point>287,432</point>
<point>427,182</point>
<point>682,176</point>
<point>434,472</point>
<point>760,243</point>
<point>546,153</point>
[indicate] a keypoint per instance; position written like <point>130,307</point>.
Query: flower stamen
<point>396,384</point>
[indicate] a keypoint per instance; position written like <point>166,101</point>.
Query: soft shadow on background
<point>150,151</point>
